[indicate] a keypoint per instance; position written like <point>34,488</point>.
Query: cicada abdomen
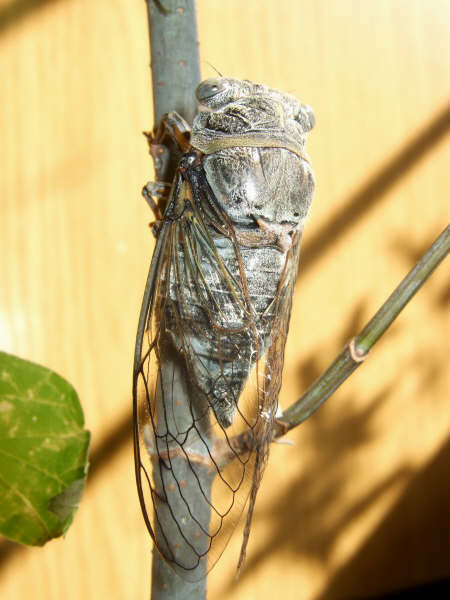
<point>215,315</point>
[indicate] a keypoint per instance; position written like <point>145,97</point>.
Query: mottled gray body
<point>266,193</point>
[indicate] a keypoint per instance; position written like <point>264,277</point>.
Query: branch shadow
<point>396,553</point>
<point>372,190</point>
<point>16,10</point>
<point>302,519</point>
<point>429,366</point>
<point>410,252</point>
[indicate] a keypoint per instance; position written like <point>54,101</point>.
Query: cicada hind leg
<point>168,142</point>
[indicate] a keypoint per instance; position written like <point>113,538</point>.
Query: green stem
<point>358,348</point>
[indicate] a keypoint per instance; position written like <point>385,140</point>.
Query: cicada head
<point>217,92</point>
<point>234,112</point>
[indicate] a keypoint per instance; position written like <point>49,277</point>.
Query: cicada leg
<point>174,126</point>
<point>156,194</point>
<point>168,142</point>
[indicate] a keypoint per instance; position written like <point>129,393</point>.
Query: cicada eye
<point>210,88</point>
<point>306,117</point>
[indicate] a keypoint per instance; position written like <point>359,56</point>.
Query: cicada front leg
<point>168,142</point>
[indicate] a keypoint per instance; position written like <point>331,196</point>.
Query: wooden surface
<point>360,504</point>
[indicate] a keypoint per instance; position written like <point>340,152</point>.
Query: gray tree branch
<point>175,61</point>
<point>175,66</point>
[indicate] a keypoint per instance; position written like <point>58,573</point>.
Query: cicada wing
<point>280,324</point>
<point>195,424</point>
<point>271,369</point>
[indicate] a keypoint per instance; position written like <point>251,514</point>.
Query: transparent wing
<point>280,310</point>
<point>206,379</point>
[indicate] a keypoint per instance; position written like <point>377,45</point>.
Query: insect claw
<point>154,226</point>
<point>149,136</point>
<point>172,125</point>
<point>179,129</point>
<point>147,194</point>
<point>158,190</point>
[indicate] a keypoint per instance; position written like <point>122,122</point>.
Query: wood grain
<point>75,248</point>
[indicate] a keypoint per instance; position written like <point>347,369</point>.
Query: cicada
<point>215,314</point>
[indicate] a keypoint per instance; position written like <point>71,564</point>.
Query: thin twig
<point>358,348</point>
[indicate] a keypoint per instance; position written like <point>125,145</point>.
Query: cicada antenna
<point>213,67</point>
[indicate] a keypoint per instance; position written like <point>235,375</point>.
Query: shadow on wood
<point>399,555</point>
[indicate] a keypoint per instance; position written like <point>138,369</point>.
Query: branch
<point>175,66</point>
<point>175,61</point>
<point>358,348</point>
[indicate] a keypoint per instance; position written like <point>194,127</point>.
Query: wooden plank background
<point>360,504</point>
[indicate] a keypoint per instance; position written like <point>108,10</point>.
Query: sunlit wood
<point>75,249</point>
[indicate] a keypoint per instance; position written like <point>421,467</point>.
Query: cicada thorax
<point>215,319</point>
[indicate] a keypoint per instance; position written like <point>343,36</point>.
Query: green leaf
<point>43,452</point>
